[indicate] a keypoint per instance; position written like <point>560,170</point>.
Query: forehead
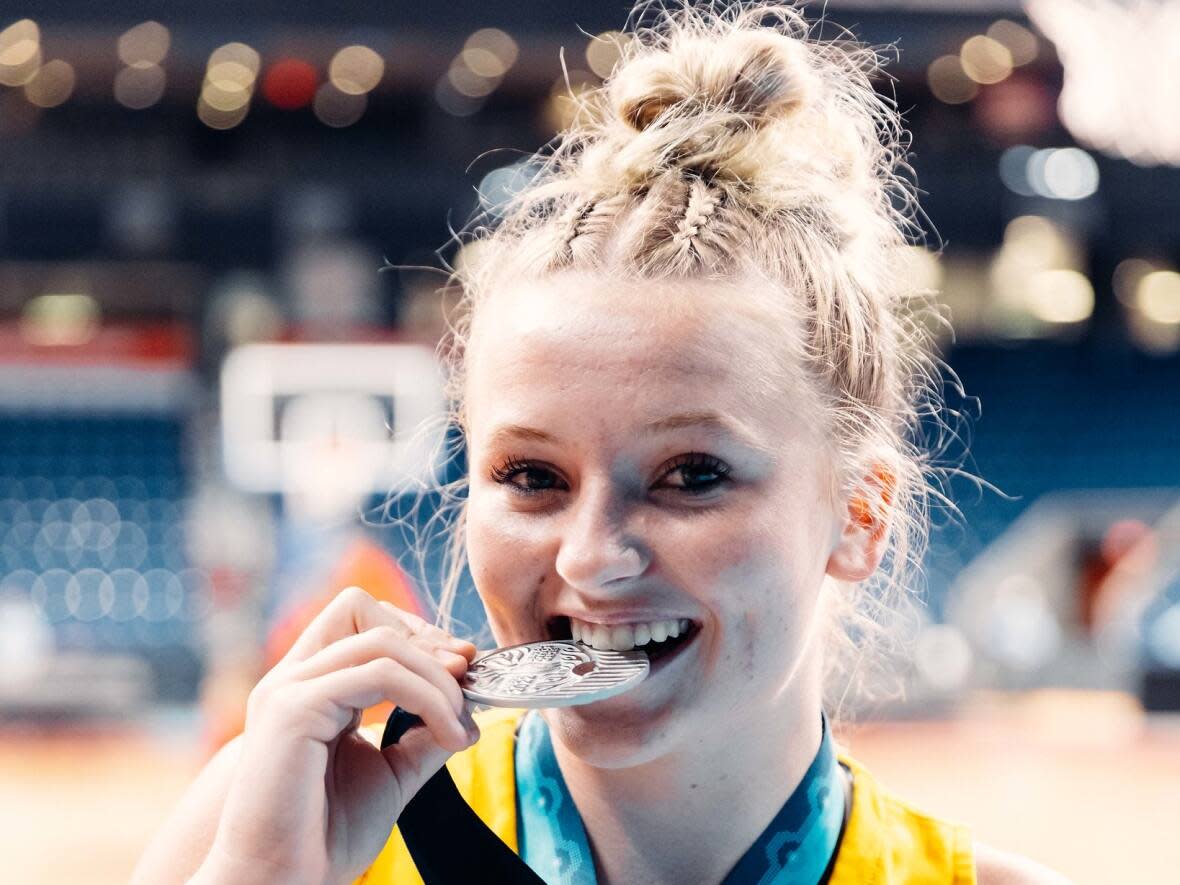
<point>585,342</point>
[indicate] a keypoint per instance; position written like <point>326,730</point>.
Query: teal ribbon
<point>795,849</point>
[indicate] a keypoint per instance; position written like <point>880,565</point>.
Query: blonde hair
<point>730,141</point>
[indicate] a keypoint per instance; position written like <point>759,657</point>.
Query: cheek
<point>760,583</point>
<point>506,557</point>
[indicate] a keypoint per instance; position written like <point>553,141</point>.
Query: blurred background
<point>217,324</point>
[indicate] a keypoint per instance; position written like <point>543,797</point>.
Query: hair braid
<point>567,228</point>
<point>702,202</point>
<point>583,228</point>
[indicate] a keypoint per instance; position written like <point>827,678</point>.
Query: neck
<point>659,821</point>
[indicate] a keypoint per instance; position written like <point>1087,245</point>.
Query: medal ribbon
<point>795,849</point>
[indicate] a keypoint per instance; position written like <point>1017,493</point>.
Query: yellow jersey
<point>886,841</point>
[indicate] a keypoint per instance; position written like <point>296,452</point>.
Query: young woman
<point>688,377</point>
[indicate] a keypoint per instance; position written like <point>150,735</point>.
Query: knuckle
<point>422,643</point>
<point>284,702</point>
<point>437,634</point>
<point>414,622</point>
<point>261,691</point>
<point>387,634</point>
<point>354,595</point>
<point>386,669</point>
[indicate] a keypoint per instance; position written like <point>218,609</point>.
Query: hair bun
<point>751,77</point>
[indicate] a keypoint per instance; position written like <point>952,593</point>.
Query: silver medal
<point>557,673</point>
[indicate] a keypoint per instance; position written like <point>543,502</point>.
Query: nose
<point>597,550</point>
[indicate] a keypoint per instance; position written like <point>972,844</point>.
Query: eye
<point>699,472</point>
<point>537,477</point>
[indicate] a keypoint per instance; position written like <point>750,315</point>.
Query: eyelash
<point>513,466</point>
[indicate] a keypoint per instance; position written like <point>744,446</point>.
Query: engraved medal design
<point>559,673</point>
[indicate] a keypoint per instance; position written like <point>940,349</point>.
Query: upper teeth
<point>623,637</point>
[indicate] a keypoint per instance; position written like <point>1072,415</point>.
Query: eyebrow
<point>707,419</point>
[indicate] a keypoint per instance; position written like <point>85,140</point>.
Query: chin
<point>617,732</point>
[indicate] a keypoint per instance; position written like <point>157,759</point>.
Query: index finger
<point>354,611</point>
<point>432,632</point>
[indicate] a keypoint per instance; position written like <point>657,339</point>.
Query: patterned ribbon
<point>795,849</point>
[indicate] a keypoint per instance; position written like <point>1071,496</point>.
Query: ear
<point>861,545</point>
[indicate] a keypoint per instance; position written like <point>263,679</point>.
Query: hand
<point>311,800</point>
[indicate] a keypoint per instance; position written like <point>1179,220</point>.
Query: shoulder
<point>995,867</point>
<point>888,839</point>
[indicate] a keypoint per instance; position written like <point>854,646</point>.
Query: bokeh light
<point>498,43</point>
<point>1062,173</point>
<point>1060,296</point>
<point>229,85</point>
<point>949,81</point>
<point>20,52</point>
<point>483,62</point>
<point>604,51</point>
<point>140,86</point>
<point>1021,43</point>
<point>566,99</point>
<point>468,82</point>
<point>500,186</point>
<point>1036,242</point>
<point>1158,296</point>
<point>1068,173</point>
<point>338,109</point>
<point>985,60</point>
<point>51,85</point>
<point>1127,275</point>
<point>1014,169</point>
<point>239,53</point>
<point>216,118</point>
<point>1036,280</point>
<point>454,102</point>
<point>1149,292</point>
<point>290,83</point>
<point>356,70</point>
<point>145,44</point>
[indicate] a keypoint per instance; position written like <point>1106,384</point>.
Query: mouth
<point>655,640</point>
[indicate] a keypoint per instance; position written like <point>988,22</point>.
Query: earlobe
<point>861,545</point>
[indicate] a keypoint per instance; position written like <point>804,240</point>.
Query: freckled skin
<point>590,362</point>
